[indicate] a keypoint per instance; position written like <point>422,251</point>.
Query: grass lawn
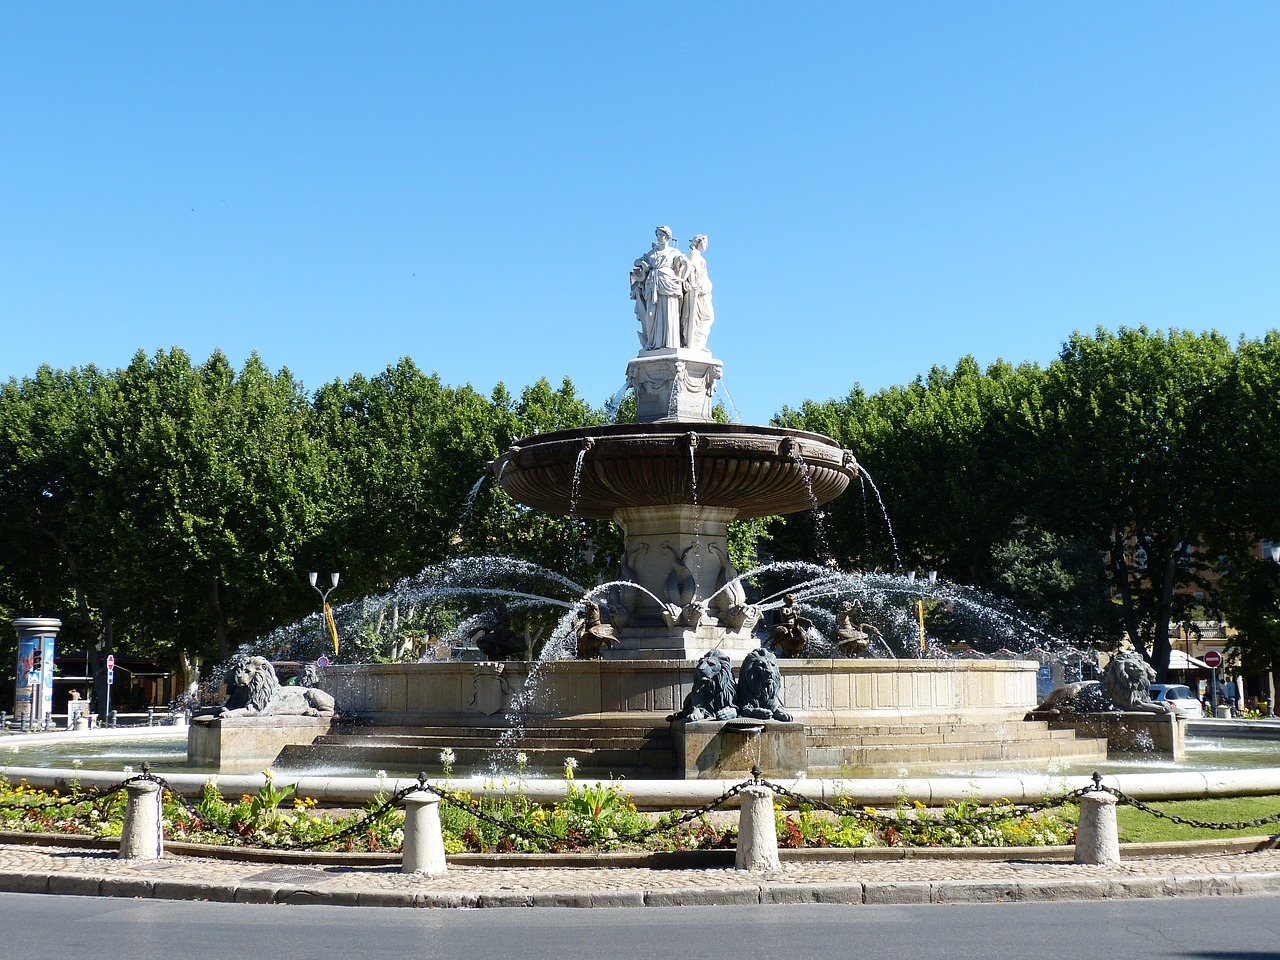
<point>1137,826</point>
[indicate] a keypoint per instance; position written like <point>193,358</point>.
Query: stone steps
<point>634,748</point>
<point>842,757</point>
<point>541,760</point>
<point>958,735</point>
<point>640,745</point>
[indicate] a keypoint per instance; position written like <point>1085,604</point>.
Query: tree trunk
<point>1160,646</point>
<point>1129,613</point>
<point>219,620</point>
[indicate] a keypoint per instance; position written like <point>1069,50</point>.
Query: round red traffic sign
<point>1212,658</point>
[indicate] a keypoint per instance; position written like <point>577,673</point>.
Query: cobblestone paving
<point>101,873</point>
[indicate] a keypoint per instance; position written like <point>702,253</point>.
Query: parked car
<point>1184,701</point>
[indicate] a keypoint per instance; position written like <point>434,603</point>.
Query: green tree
<point>1062,584</point>
<point>1249,598</point>
<point>404,450</point>
<point>209,486</point>
<point>45,489</point>
<point>1134,440</point>
<point>945,455</point>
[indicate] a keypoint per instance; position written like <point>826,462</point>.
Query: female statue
<point>698,314</point>
<point>657,286</point>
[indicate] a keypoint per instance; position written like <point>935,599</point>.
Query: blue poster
<point>33,693</point>
<point>1044,681</point>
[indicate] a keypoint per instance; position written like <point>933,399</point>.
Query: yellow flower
<point>869,811</point>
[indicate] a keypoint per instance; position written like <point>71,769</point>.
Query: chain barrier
<point>467,803</point>
<point>207,823</point>
<point>1099,787</point>
<point>847,808</point>
<point>75,798</point>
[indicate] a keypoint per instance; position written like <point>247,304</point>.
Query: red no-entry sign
<point>1213,659</point>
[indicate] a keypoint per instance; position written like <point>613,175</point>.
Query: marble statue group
<point>673,294</point>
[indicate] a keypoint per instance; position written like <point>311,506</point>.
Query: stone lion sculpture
<point>1125,685</point>
<point>760,687</point>
<point>254,691</point>
<point>712,696</point>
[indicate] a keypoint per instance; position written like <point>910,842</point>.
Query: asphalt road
<point>34,927</point>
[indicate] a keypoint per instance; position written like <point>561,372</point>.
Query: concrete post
<point>1098,839</point>
<point>423,843</point>
<point>141,837</point>
<point>757,831</point>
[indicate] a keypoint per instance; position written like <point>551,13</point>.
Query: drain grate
<point>288,875</point>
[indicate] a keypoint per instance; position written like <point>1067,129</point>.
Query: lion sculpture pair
<point>757,694</point>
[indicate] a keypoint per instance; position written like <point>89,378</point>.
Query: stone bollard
<point>141,837</point>
<point>423,843</point>
<point>757,831</point>
<point>1098,838</point>
<point>1222,711</point>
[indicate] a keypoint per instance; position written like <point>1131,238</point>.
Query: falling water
<point>819,518</point>
<point>468,505</point>
<point>893,540</point>
<point>735,415</point>
<point>692,439</point>
<point>575,487</point>
<point>614,404</point>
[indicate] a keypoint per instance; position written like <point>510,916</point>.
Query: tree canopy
<point>176,506</point>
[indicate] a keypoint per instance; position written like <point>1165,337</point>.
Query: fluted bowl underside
<point>756,471</point>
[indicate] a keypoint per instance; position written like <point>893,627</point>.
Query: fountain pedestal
<point>673,384</point>
<point>674,487</point>
<point>1127,732</point>
<point>730,748</point>
<point>244,744</point>
<point>690,602</point>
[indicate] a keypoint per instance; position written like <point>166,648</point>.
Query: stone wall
<point>816,691</point>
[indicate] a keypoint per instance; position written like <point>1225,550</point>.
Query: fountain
<point>673,481</point>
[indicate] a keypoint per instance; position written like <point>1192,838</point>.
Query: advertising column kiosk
<point>33,686</point>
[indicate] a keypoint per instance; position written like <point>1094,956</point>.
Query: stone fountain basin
<point>754,471</point>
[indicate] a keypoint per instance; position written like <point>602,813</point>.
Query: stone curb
<point>764,892</point>
<point>686,859</point>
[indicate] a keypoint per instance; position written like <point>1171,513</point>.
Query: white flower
<point>522,759</point>
<point>902,773</point>
<point>447,757</point>
<point>128,768</point>
<point>801,774</point>
<point>571,763</point>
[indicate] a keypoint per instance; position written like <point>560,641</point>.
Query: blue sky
<point>885,186</point>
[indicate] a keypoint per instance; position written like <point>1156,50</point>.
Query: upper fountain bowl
<point>755,471</point>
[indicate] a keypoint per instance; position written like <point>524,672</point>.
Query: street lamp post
<point>919,607</point>
<point>325,615</point>
<point>1271,551</point>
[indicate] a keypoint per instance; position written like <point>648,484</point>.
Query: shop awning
<point>1181,661</point>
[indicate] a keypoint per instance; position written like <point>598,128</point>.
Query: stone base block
<point>1131,732</point>
<point>244,744</point>
<point>680,643</point>
<point>728,749</point>
<point>673,384</point>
